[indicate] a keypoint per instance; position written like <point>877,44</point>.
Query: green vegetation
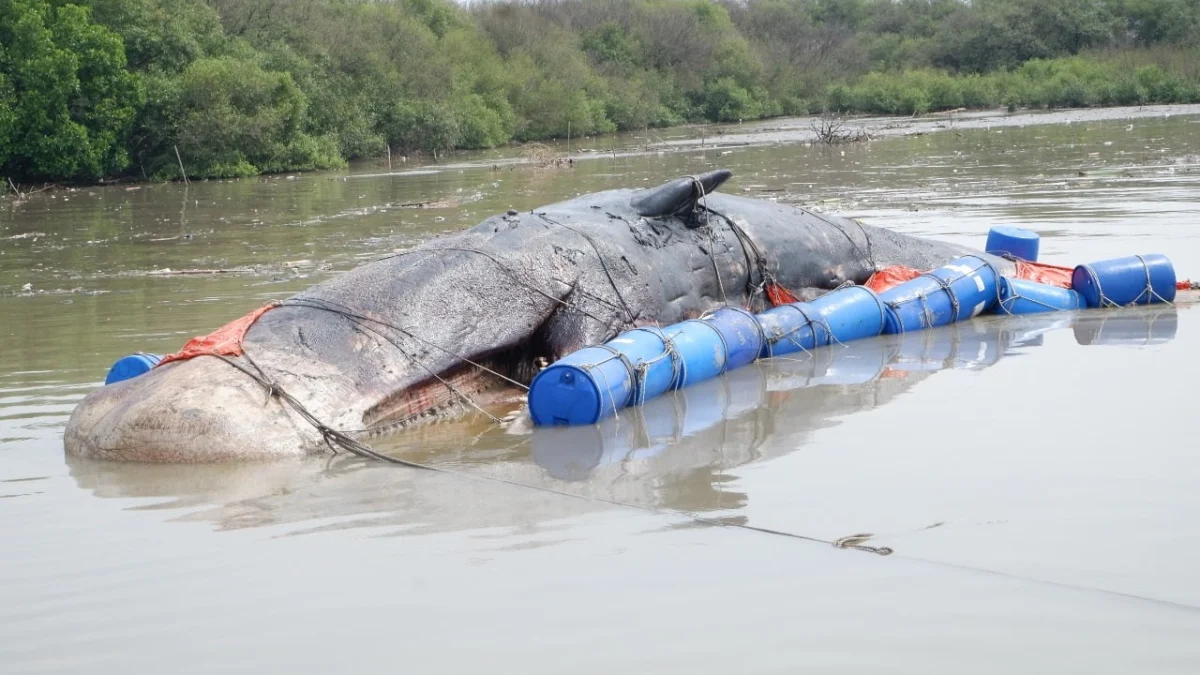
<point>91,89</point>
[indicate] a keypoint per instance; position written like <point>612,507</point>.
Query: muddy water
<point>1035,477</point>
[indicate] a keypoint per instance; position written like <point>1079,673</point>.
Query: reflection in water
<point>1122,328</point>
<point>675,452</point>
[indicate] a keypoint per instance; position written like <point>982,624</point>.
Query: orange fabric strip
<point>890,277</point>
<point>1052,275</point>
<point>226,340</point>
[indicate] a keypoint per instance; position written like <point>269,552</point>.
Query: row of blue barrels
<point>1120,282</point>
<point>638,365</point>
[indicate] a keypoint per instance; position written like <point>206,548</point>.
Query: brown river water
<point>1037,478</point>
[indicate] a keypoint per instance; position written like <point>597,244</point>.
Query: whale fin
<point>678,197</point>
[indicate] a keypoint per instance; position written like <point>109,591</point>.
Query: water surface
<point>1035,477</point>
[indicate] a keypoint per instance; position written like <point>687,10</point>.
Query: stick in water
<point>185,180</point>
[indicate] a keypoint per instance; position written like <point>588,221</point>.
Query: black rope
<point>616,289</point>
<point>511,273</point>
<point>360,322</point>
<point>759,260</point>
<point>349,313</point>
<point>574,289</point>
<point>868,255</point>
<point>332,438</point>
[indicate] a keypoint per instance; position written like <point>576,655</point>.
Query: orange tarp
<point>890,277</point>
<point>778,295</point>
<point>1042,273</point>
<point>225,341</point>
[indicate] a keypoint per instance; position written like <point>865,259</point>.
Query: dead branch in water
<point>20,195</point>
<point>439,204</point>
<point>831,130</point>
<point>544,157</point>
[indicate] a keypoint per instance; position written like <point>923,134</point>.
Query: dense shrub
<point>67,101</point>
<point>92,88</point>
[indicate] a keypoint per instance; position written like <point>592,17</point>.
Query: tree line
<point>92,89</point>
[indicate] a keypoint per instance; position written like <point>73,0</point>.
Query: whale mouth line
<point>474,382</point>
<point>461,388</point>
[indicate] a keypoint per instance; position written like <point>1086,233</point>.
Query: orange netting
<point>225,341</point>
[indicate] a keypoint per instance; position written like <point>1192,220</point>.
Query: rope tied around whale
<point>629,317</point>
<point>776,294</point>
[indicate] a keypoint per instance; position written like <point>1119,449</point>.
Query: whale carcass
<point>464,320</point>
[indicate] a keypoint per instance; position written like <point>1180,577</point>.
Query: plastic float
<point>596,382</point>
<point>1133,280</point>
<point>131,366</point>
<point>643,363</point>
<point>961,290</point>
<point>1018,296</point>
<point>1012,242</point>
<point>848,314</point>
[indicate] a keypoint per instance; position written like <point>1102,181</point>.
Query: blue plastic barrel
<point>787,329</point>
<point>960,290</point>
<point>701,350</point>
<point>1018,296</point>
<point>655,366</point>
<point>131,366</point>
<point>1132,280</point>
<point>849,313</point>
<point>742,334</point>
<point>1016,242</point>
<point>581,388</point>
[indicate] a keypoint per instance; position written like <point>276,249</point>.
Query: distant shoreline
<point>779,130</point>
<point>798,130</point>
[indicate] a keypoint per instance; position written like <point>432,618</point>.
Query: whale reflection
<point>677,451</point>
